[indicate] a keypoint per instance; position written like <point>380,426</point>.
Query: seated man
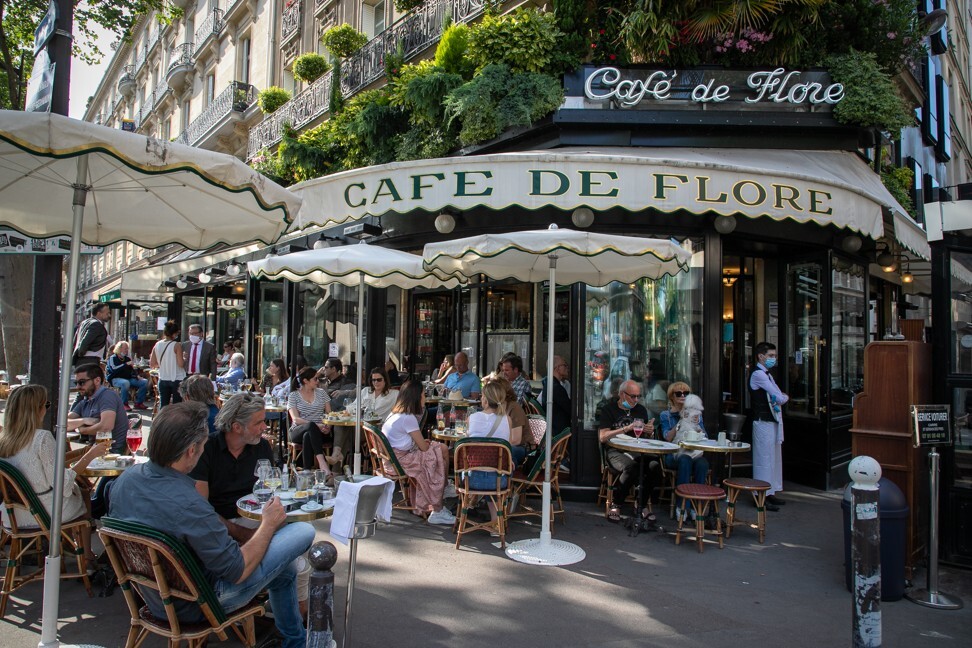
<point>99,402</point>
<point>513,371</point>
<point>617,417</point>
<point>161,494</point>
<point>463,379</point>
<point>339,387</point>
<point>226,469</point>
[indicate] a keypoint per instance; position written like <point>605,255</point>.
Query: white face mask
<point>195,339</point>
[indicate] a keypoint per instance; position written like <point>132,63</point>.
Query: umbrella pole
<point>544,550</point>
<point>357,410</point>
<point>52,564</point>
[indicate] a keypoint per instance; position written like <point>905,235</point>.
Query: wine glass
<point>638,426</point>
<point>134,439</point>
<point>261,466</point>
<point>262,491</point>
<point>275,479</point>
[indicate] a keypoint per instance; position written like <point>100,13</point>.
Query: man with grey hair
<point>198,354</point>
<point>161,494</point>
<point>225,471</point>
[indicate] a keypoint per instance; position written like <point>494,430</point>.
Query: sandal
<point>335,460</point>
<point>650,517</point>
<point>613,514</point>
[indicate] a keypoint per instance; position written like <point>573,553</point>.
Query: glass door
<point>433,330</point>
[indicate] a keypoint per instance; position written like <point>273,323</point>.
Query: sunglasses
<point>680,394</point>
<point>377,380</point>
<point>631,395</point>
<point>47,405</point>
<point>83,381</point>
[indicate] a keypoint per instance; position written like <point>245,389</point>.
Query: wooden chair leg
<point>731,510</point>
<point>760,497</point>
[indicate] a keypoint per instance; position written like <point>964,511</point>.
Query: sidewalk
<point>414,589</point>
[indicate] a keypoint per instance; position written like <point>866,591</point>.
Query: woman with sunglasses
<point>307,406</point>
<point>377,401</point>
<point>683,463</point>
<point>31,449</point>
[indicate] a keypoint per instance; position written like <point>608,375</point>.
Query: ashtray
<point>124,462</point>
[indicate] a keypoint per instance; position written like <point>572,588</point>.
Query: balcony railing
<point>161,89</point>
<point>414,33</point>
<point>213,24</point>
<point>126,82</point>
<point>290,25</point>
<point>237,97</point>
<point>181,55</point>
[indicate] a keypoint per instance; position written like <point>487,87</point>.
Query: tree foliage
<point>870,97</point>
<point>524,40</point>
<point>343,40</point>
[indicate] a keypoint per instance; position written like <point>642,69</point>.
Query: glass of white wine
<point>103,435</point>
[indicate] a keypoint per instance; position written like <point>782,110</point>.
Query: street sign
<point>13,242</point>
<point>111,295</point>
<point>128,125</point>
<point>40,87</point>
<point>45,28</point>
<point>931,425</point>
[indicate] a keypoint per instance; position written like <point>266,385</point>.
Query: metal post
<point>345,640</point>
<point>865,472</point>
<point>320,617</point>
<point>358,365</point>
<point>930,596</point>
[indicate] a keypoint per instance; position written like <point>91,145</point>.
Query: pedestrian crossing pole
<point>865,472</point>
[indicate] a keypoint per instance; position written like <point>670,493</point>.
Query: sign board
<point>45,28</point>
<point>40,87</point>
<point>128,125</point>
<point>111,295</point>
<point>931,425</point>
<point>13,242</point>
<point>332,350</point>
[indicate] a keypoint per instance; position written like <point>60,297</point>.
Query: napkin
<point>346,506</point>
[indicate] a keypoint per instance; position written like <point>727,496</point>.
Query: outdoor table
<point>248,507</point>
<point>448,436</point>
<point>465,402</point>
<point>102,468</point>
<point>711,445</point>
<point>626,443</point>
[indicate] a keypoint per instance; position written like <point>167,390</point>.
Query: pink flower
<point>892,35</point>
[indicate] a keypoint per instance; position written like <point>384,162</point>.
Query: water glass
<point>262,491</point>
<point>263,465</point>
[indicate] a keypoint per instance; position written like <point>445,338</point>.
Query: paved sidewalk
<point>415,589</point>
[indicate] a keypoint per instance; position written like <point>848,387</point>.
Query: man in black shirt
<point>225,471</point>
<point>617,417</point>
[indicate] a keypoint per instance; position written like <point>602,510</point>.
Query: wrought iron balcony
<point>159,93</point>
<point>236,98</point>
<point>126,83</point>
<point>290,23</point>
<point>414,33</point>
<point>180,63</point>
<point>213,24</point>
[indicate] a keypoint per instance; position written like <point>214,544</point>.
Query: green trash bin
<point>893,515</point>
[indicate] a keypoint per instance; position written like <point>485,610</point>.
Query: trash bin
<point>893,514</point>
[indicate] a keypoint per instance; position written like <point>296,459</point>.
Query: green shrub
<point>268,164</point>
<point>899,181</point>
<point>405,6</point>
<point>423,94</point>
<point>451,53</point>
<point>343,40</point>
<point>272,98</point>
<point>497,99</point>
<point>524,40</point>
<point>310,67</point>
<point>870,97</point>
<point>376,125</point>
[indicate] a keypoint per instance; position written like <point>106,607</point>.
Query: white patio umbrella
<point>355,265</point>
<point>143,190</point>
<point>564,256</point>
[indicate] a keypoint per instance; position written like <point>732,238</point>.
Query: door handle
<point>822,409</point>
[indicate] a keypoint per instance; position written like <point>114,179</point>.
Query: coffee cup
<point>722,439</point>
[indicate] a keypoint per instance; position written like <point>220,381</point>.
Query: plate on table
<point>311,507</point>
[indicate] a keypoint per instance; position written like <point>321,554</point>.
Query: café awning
<point>824,187</point>
<point>148,280</point>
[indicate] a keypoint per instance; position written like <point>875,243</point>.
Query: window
<point>944,148</point>
<point>373,18</point>
<point>185,114</point>
<point>929,121</point>
<point>243,66</point>
<point>209,91</point>
<point>165,129</point>
<point>960,284</point>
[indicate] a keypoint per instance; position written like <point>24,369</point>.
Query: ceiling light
<point>582,217</point>
<point>205,277</point>
<point>725,224</point>
<point>931,22</point>
<point>445,223</point>
<point>234,269</point>
<point>885,259</point>
<point>851,244</point>
<point>181,283</point>
<point>907,277</point>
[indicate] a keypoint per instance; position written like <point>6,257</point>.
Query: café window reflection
<point>960,270</point>
<point>649,331</point>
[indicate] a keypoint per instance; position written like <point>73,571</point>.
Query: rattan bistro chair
<point>488,457</point>
<point>19,495</point>
<point>385,463</point>
<point>530,482</point>
<point>153,560</point>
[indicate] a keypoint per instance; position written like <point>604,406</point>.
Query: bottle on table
<point>452,417</point>
<point>440,418</point>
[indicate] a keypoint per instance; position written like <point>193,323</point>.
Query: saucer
<point>311,507</point>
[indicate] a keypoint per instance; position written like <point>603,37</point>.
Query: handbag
<point>537,428</point>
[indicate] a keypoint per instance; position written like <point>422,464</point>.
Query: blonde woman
<point>31,450</point>
<point>494,423</point>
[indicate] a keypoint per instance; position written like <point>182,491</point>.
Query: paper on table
<point>346,506</point>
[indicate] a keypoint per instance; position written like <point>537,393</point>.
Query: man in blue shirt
<point>161,494</point>
<point>101,403</point>
<point>767,399</point>
<point>463,379</point>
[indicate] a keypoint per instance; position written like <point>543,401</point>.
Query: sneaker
<point>128,408</point>
<point>141,406</point>
<point>442,516</point>
<point>450,491</point>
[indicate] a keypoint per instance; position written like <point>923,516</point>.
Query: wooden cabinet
<point>897,375</point>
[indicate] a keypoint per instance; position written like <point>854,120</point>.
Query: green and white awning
<point>825,187</point>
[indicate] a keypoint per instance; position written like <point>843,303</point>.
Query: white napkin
<point>346,506</point>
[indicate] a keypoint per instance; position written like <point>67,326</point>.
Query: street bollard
<point>866,551</point>
<point>320,617</point>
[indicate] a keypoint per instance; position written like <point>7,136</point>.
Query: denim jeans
<point>698,468</point>
<point>276,573</point>
<point>124,384</point>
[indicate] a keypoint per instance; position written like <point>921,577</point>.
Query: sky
<point>85,78</point>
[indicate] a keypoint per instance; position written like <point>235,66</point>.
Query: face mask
<point>770,363</point>
<point>625,404</point>
<point>195,339</point>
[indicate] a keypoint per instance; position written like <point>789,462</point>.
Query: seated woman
<point>236,374</point>
<point>447,367</point>
<point>685,463</point>
<point>224,358</point>
<point>377,400</point>
<point>276,380</point>
<point>307,406</point>
<point>199,388</point>
<point>31,449</point>
<point>518,420</point>
<point>492,422</point>
<point>427,462</point>
<point>121,373</point>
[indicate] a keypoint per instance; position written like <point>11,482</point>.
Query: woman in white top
<point>31,450</point>
<point>167,358</point>
<point>426,462</point>
<point>307,406</point>
<point>378,400</point>
<point>494,423</point>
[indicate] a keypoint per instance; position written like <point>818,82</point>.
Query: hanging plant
<point>310,67</point>
<point>343,40</point>
<point>272,98</point>
<point>870,97</point>
<point>404,6</point>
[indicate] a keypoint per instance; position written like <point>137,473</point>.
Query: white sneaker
<point>450,491</point>
<point>442,516</point>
